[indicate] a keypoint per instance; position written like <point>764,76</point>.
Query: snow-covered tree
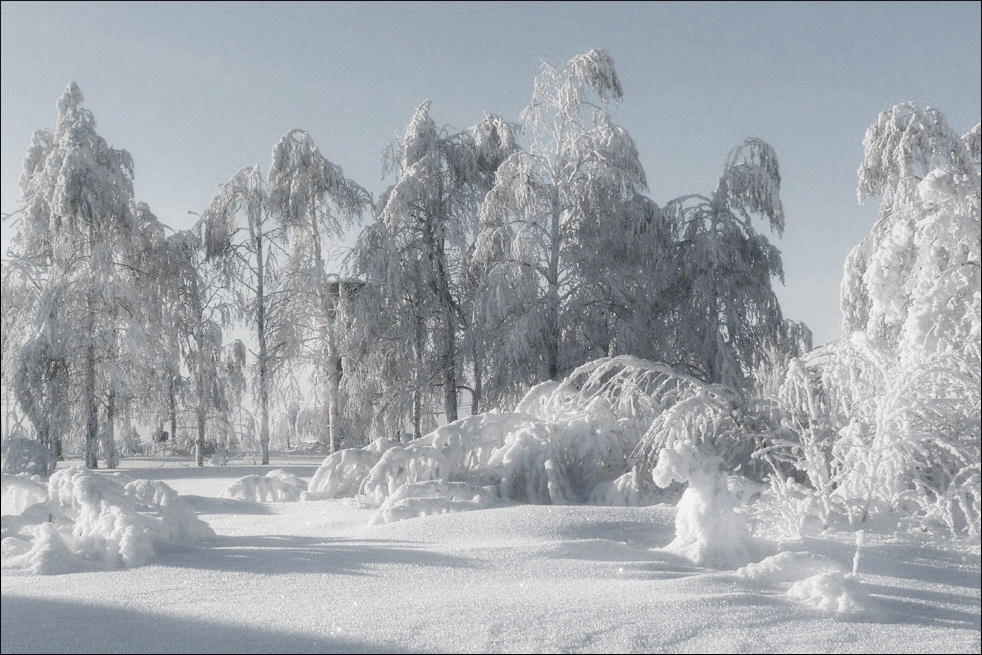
<point>195,363</point>
<point>536,221</point>
<point>243,239</point>
<point>386,378</point>
<point>629,291</point>
<point>926,235</point>
<point>727,314</point>
<point>314,203</point>
<point>21,292</point>
<point>492,140</point>
<point>894,408</point>
<point>79,228</point>
<point>414,260</point>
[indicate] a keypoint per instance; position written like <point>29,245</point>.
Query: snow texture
<point>510,578</point>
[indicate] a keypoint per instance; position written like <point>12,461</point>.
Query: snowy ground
<point>316,576</point>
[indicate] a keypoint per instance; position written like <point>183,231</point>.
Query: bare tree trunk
<point>264,374</point>
<point>552,293</point>
<point>333,407</point>
<point>449,354</point>
<point>435,244</point>
<point>127,444</point>
<point>199,442</point>
<point>478,382</point>
<point>202,384</point>
<point>449,366</point>
<point>91,411</point>
<point>172,391</point>
<point>329,308</point>
<point>109,451</point>
<point>418,377</point>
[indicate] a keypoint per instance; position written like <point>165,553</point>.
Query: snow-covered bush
<point>887,420</point>
<point>434,497</point>
<point>567,442</point>
<point>276,486</point>
<point>20,454</point>
<point>82,520</point>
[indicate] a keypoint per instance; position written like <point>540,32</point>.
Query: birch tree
<point>895,405</point>
<point>196,308</point>
<point>314,203</point>
<point>727,314</point>
<point>243,239</point>
<point>415,260</point>
<point>79,227</point>
<point>535,222</point>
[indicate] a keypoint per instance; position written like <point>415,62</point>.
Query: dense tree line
<point>503,255</point>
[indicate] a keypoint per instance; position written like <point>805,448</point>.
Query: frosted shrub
<point>819,454</point>
<point>929,434</point>
<point>23,455</point>
<point>695,439</point>
<point>86,520</point>
<point>276,486</point>
<point>568,442</point>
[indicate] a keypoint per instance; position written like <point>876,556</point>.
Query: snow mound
<point>87,521</point>
<point>833,592</point>
<point>18,492</point>
<point>342,473</point>
<point>815,580</point>
<point>434,497</point>
<point>274,487</point>
<point>628,490</point>
<point>789,567</point>
<point>708,529</point>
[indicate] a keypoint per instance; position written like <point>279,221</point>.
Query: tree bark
<point>109,450</point>
<point>91,411</point>
<point>264,374</point>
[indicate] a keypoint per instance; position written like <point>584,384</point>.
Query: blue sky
<point>194,91</point>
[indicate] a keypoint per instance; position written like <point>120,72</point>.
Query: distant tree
<point>314,203</point>
<point>492,141</point>
<point>630,291</point>
<point>196,307</point>
<point>22,289</point>
<point>242,240</point>
<point>383,376</point>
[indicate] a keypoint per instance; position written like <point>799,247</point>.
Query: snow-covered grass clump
<point>81,520</point>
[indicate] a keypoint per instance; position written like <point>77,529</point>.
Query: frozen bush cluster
<point>82,520</point>
<point>274,487</point>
